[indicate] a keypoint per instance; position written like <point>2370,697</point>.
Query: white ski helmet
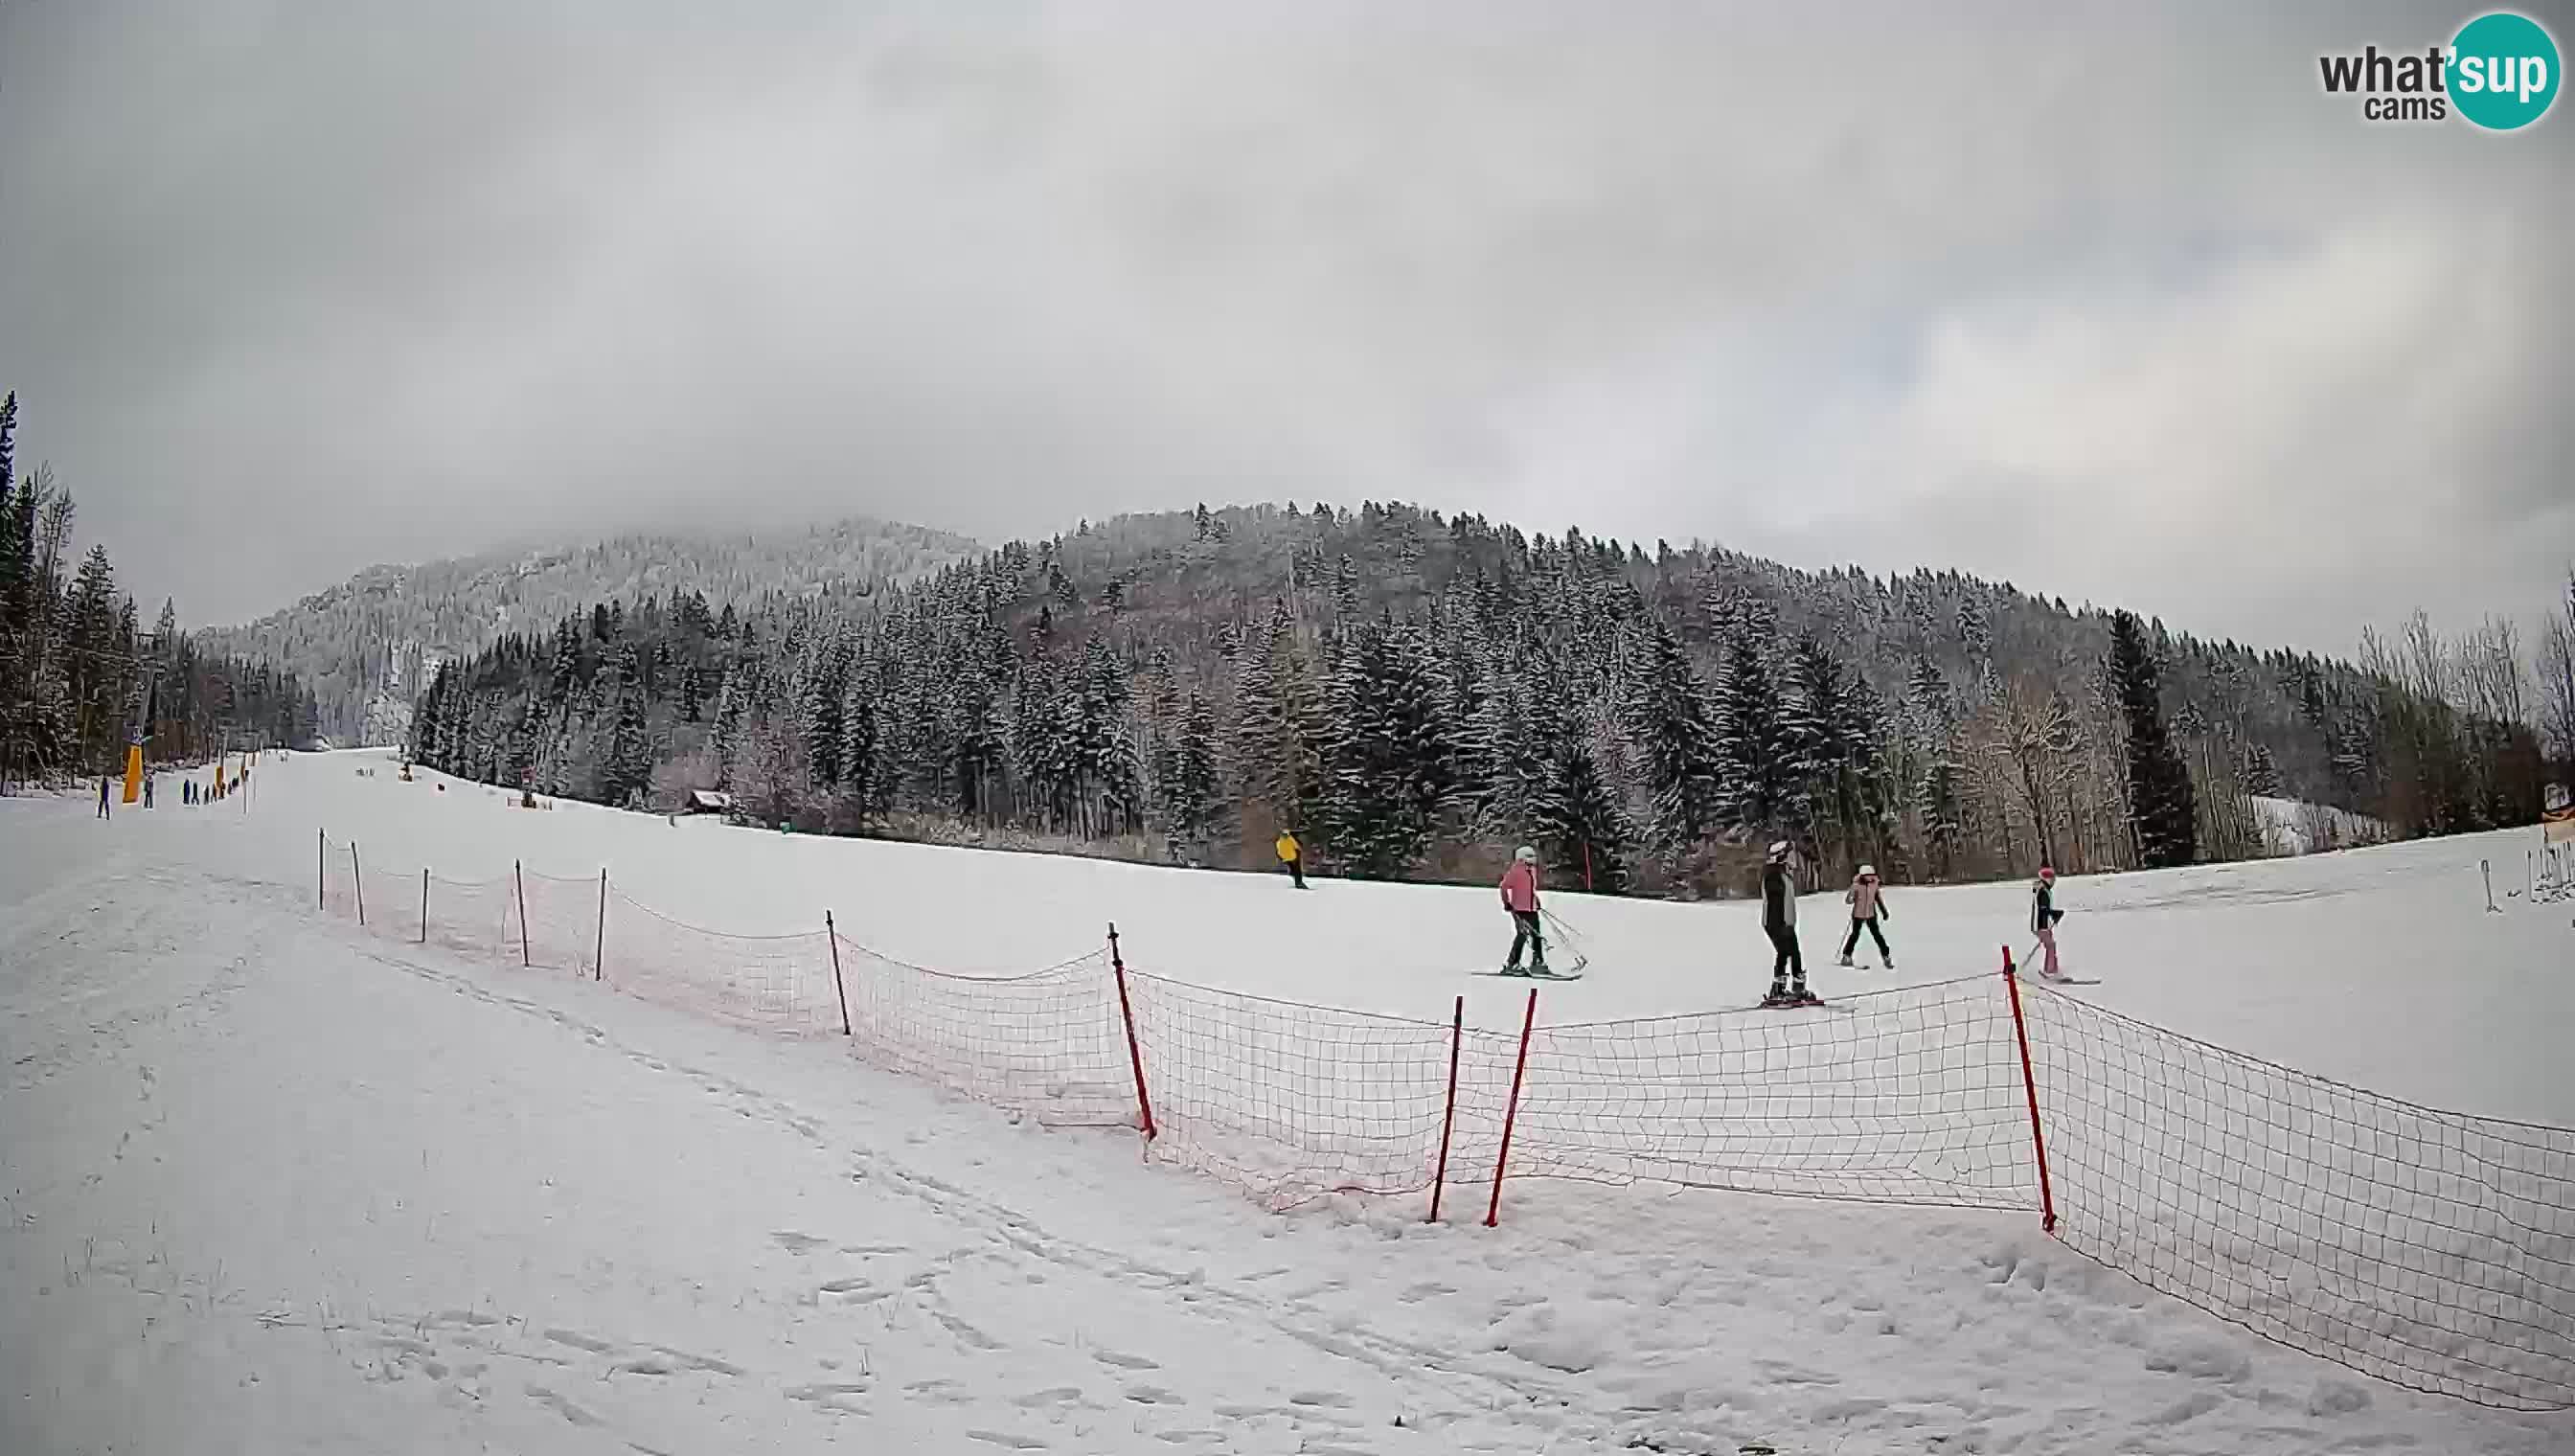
<point>1868,871</point>
<point>1525,854</point>
<point>1779,850</point>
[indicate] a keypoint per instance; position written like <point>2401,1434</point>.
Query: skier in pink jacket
<point>1868,907</point>
<point>1519,897</point>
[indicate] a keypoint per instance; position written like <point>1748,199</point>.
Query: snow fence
<point>2427,1249</point>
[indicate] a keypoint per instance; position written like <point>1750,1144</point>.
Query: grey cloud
<point>2117,306</point>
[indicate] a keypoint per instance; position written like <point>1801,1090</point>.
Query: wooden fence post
<point>1448,1118</point>
<point>832,934</point>
<point>1134,1050</point>
<point>519,878</point>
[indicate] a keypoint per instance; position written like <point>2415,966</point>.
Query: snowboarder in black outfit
<point>1779,922</point>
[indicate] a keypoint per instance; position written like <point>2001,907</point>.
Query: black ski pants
<point>1783,939</point>
<point>1850,941</point>
<point>1296,869</point>
<point>1527,931</point>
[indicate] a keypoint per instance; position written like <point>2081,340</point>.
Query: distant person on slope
<point>146,790</point>
<point>102,797</point>
<point>1519,897</point>
<point>2044,915</point>
<point>1868,906</point>
<point>1291,854</point>
<point>1779,922</point>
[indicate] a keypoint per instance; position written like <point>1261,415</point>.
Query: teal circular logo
<point>2503,71</point>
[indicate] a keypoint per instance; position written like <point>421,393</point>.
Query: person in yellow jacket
<point>1291,854</point>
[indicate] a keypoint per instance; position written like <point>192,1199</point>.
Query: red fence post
<point>2029,1086</point>
<point>518,877</point>
<point>599,949</point>
<point>832,934</point>
<point>424,904</point>
<point>1511,1110</point>
<point>1448,1118</point>
<point>1135,1052</point>
<point>357,880</point>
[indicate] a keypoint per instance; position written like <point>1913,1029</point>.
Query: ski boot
<point>1845,961</point>
<point>1779,995</point>
<point>1513,969</point>
<point>1890,962</point>
<point>1798,995</point>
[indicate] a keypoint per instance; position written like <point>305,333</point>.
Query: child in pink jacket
<point>1519,897</point>
<point>1868,907</point>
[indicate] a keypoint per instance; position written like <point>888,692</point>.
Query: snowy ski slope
<point>275,1186</point>
<point>2379,968</point>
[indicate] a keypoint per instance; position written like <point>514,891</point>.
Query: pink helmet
<point>2046,873</point>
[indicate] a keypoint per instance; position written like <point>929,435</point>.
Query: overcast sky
<point>2109,300</point>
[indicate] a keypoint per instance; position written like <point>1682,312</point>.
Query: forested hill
<point>80,677</point>
<point>1415,694</point>
<point>363,646</point>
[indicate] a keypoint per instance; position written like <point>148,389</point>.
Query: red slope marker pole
<point>2029,1086</point>
<point>1512,1112</point>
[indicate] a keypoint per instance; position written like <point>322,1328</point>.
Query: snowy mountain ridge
<point>368,643</point>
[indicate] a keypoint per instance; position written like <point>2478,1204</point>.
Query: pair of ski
<point>1575,974</point>
<point>2030,965</point>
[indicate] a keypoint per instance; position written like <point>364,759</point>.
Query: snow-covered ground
<point>273,1185</point>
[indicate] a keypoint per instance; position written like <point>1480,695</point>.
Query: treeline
<point>360,645</point>
<point>78,680</point>
<point>1415,694</point>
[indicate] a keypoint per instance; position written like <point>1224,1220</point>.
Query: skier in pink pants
<point>2044,915</point>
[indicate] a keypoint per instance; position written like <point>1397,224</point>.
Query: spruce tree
<point>1753,747</point>
<point>427,746</point>
<point>1667,718</point>
<point>1190,796</point>
<point>2160,804</point>
<point>1572,821</point>
<point>1386,761</point>
<point>863,786</point>
<point>629,771</point>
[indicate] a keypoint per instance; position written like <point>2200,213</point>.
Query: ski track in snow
<point>272,1186</point>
